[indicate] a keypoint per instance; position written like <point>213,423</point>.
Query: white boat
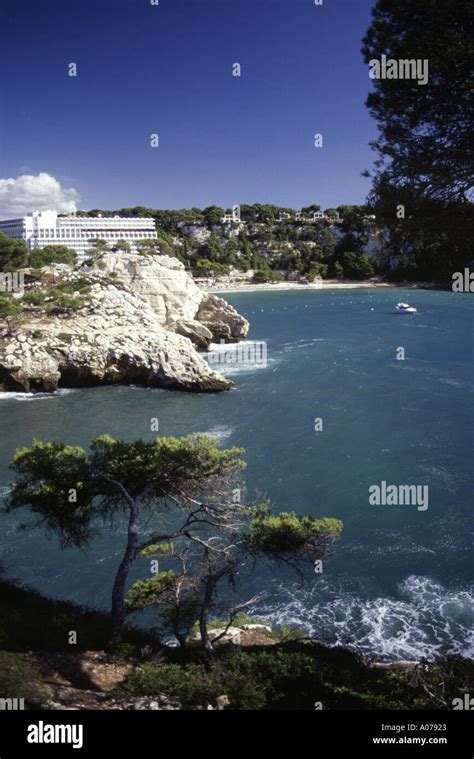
<point>405,308</point>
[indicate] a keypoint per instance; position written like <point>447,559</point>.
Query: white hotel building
<point>42,228</point>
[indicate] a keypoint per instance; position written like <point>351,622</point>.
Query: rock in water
<point>222,319</point>
<point>138,322</point>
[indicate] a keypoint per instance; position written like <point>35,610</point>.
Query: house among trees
<point>315,216</point>
<point>232,216</point>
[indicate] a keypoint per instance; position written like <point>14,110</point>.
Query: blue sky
<point>167,69</point>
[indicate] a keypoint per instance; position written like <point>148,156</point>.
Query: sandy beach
<point>327,284</point>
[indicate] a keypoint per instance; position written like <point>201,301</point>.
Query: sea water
<point>398,583</point>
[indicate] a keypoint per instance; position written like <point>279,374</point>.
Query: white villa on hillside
<point>228,218</point>
<point>315,216</point>
<point>42,228</point>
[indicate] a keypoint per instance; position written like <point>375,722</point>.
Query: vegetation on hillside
<point>424,172</point>
<point>300,675</point>
<point>272,241</point>
<point>296,674</point>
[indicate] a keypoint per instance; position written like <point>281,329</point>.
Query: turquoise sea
<point>399,583</point>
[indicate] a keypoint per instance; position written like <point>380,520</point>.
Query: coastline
<point>328,284</point>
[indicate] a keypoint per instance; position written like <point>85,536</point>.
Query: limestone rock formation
<point>133,319</point>
<point>245,635</point>
<point>179,304</point>
<point>222,320</point>
<point>200,335</point>
<point>160,280</point>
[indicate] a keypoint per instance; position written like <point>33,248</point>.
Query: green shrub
<point>67,302</point>
<point>195,685</point>
<point>286,632</point>
<point>62,296</point>
<point>51,254</point>
<point>8,307</point>
<point>19,680</point>
<point>124,650</point>
<point>34,298</point>
<point>80,285</point>
<point>206,268</point>
<point>260,276</point>
<point>65,337</point>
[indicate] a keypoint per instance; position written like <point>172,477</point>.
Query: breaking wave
<point>238,358</point>
<point>35,396</point>
<point>220,431</point>
<point>424,621</point>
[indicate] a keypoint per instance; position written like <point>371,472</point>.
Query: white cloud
<point>28,192</point>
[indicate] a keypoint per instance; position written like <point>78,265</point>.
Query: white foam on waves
<point>298,345</point>
<point>35,396</point>
<point>239,357</point>
<point>425,621</point>
<point>220,431</point>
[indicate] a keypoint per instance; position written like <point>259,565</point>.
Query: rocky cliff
<point>127,319</point>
